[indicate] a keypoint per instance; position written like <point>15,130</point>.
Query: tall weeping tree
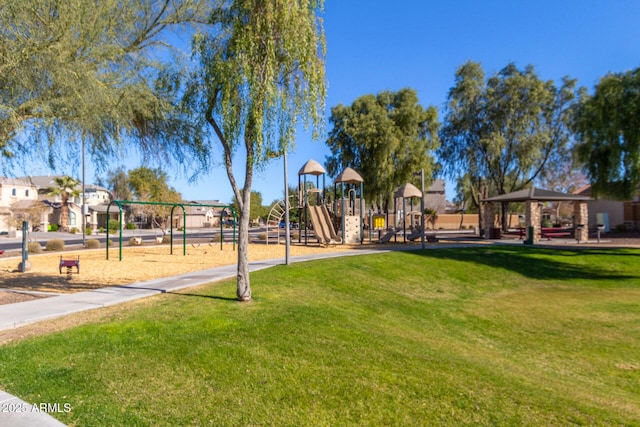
<point>261,70</point>
<point>102,71</point>
<point>505,131</point>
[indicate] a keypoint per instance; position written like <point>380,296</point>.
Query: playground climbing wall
<point>352,229</point>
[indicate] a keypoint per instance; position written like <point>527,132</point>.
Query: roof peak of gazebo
<point>539,194</point>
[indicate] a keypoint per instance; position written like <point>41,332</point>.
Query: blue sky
<point>376,45</point>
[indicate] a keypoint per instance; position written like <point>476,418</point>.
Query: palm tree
<point>65,187</point>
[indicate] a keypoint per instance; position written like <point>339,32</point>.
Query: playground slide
<point>388,236</point>
<point>329,225</point>
<point>415,234</point>
<point>318,226</point>
<point>321,227</point>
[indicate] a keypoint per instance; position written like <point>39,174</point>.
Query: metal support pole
<point>422,206</point>
<point>25,251</point>
<point>287,238</point>
<point>84,202</point>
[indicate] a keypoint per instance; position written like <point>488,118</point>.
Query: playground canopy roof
<point>408,190</point>
<point>538,194</point>
<point>349,176</point>
<point>311,168</point>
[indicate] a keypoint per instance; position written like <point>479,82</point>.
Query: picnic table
<point>548,232</point>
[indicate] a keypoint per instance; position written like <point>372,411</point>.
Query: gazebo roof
<point>408,190</point>
<point>311,168</point>
<point>538,194</point>
<point>349,176</point>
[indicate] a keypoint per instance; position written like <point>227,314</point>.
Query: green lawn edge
<point>467,336</point>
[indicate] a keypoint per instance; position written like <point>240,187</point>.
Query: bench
<point>69,264</point>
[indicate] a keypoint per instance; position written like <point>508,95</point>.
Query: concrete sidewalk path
<point>23,313</point>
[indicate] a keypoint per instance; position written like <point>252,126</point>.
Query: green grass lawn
<point>476,336</point>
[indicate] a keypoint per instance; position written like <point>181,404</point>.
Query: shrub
<point>92,244</point>
<point>217,238</point>
<point>262,236</point>
<point>53,227</point>
<point>73,230</point>
<point>114,224</point>
<point>166,238</point>
<point>101,230</point>
<point>88,231</point>
<point>55,245</point>
<point>131,226</point>
<point>34,248</point>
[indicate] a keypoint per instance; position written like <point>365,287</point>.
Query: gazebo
<point>533,212</point>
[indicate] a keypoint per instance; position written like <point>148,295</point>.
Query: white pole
<point>83,208</point>
<point>422,207</point>
<point>287,238</point>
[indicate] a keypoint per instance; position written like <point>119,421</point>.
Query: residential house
<point>434,197</point>
<point>18,202</point>
<point>96,200</point>
<point>207,215</point>
<point>44,185</point>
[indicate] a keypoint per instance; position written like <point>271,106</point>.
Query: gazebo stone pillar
<point>581,221</point>
<point>488,218</point>
<point>533,218</point>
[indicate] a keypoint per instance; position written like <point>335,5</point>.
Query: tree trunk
<point>244,284</point>
<point>462,211</point>
<point>64,213</point>
<point>243,291</point>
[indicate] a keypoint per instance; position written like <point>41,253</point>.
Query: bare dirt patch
<point>9,297</point>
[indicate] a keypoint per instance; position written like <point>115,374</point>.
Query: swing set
<point>223,213</point>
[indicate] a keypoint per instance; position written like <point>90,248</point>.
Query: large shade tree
<point>504,131</point>
<point>261,70</point>
<point>150,185</point>
<point>386,137</point>
<point>97,71</point>
<point>608,123</point>
<point>117,181</point>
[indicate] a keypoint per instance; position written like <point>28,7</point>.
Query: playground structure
<point>341,220</point>
<point>404,192</point>
<point>275,218</point>
<point>401,219</point>
<point>350,209</point>
<point>319,218</point>
<point>315,211</point>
